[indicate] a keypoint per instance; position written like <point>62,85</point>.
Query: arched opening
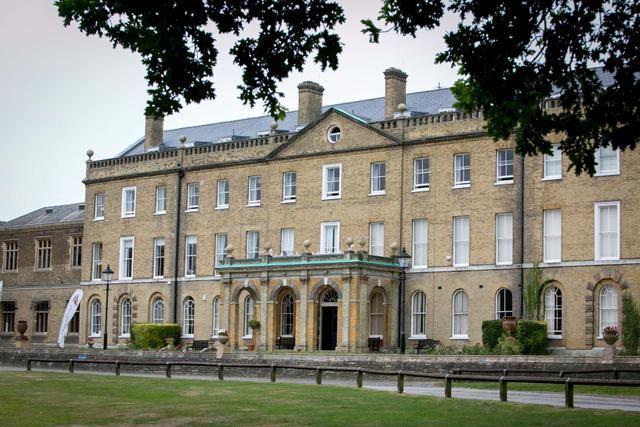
<point>216,316</point>
<point>189,318</point>
<point>95,317</point>
<point>504,303</point>
<point>157,310</point>
<point>125,317</point>
<point>328,336</point>
<point>553,312</point>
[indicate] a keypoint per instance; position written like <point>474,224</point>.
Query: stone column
<point>264,286</point>
<point>227,302</point>
<point>346,302</point>
<point>363,331</point>
<point>303,313</point>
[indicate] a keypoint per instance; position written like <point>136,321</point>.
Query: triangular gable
<point>355,133</point>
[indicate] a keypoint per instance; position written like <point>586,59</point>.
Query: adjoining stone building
<point>41,264</point>
<point>298,223</point>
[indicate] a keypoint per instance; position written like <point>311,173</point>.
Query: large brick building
<point>297,224</point>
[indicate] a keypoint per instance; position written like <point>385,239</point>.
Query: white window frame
<point>378,172</point>
<point>608,150</point>
<point>504,236</point>
<point>190,256</point>
<point>96,261</point>
<point>597,232</point>
<point>95,317</point>
<point>420,171</point>
<point>158,257</point>
<point>419,315</point>
<point>608,303</point>
<point>325,181</point>
<point>124,260</point>
<point>376,238</point>
<point>222,195</point>
<point>157,310</point>
<point>126,317</point>
<point>550,239</point>
<point>323,237</point>
<point>551,159</point>
<point>289,186</point>
<point>420,242</point>
<point>459,243</point>
<point>501,303</point>
<point>248,305</point>
<point>254,191</point>
<point>125,212</point>
<point>222,241</point>
<point>188,318</point>
<point>287,316</point>
<point>193,196</point>
<point>334,134</point>
<point>253,251</point>
<point>458,316</point>
<point>44,252</point>
<point>376,317</point>
<point>75,256</point>
<point>506,163</point>
<point>287,241</point>
<point>98,206</point>
<point>161,200</point>
<point>551,309</point>
<point>459,170</point>
<point>215,326</point>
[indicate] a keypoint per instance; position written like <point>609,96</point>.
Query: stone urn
<point>610,338</point>
<point>509,324</point>
<point>222,339</point>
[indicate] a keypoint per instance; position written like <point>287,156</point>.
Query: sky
<point>62,93</point>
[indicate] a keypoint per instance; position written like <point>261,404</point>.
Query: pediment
<point>354,134</point>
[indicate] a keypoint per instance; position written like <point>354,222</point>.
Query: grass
<point>46,398</point>
<point>559,388</point>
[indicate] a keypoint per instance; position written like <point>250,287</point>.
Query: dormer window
<point>333,135</point>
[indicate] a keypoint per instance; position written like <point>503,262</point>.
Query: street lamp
<point>106,276</point>
<point>403,260</point>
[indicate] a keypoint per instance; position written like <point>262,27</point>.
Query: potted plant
<point>610,334</point>
<point>254,325</point>
<point>90,342</point>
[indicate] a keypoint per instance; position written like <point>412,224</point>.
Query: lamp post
<point>403,260</point>
<point>106,276</point>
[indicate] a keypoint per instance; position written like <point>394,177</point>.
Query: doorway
<point>328,336</point>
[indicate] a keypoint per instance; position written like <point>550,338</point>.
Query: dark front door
<point>328,338</point>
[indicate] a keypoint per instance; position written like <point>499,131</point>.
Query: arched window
<point>216,316</point>
<point>608,308</point>
<point>330,296</point>
<point>553,312</point>
<point>504,303</point>
<point>125,317</point>
<point>376,315</point>
<point>286,315</point>
<point>460,315</point>
<point>248,315</point>
<point>158,311</point>
<point>188,322</point>
<point>419,314</point>
<point>95,319</point>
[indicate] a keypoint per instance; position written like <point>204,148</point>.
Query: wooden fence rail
<point>454,375</point>
<point>615,372</point>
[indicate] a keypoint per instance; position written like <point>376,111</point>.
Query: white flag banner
<point>1,283</point>
<point>69,312</point>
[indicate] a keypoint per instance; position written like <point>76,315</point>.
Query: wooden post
<point>28,365</point>
<point>400,382</point>
<point>220,372</point>
<point>616,374</point>
<point>318,376</point>
<point>117,368</point>
<point>447,386</point>
<point>71,366</point>
<point>273,372</point>
<point>168,371</point>
<point>503,389</point>
<point>568,393</point>
<point>359,378</point>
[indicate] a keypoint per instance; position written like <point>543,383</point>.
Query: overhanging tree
<point>514,54</point>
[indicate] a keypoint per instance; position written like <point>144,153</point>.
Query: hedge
<point>630,325</point>
<point>152,335</point>
<point>491,333</point>
<point>532,336</point>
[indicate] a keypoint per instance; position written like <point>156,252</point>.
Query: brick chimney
<point>309,102</point>
<point>395,91</point>
<point>153,127</point>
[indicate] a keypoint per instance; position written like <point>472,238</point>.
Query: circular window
<point>333,135</point>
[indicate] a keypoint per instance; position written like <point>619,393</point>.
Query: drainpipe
<point>522,290</point>
<point>180,176</point>
<point>403,275</point>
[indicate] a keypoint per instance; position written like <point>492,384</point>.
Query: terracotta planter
<point>509,324</point>
<point>22,327</point>
<point>610,339</point>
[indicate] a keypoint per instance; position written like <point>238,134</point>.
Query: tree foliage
<point>514,54</point>
<point>176,40</point>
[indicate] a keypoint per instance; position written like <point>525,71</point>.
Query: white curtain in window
<point>608,307</point>
<point>418,314</point>
<point>552,236</point>
<point>376,315</point>
<point>216,315</point>
<point>460,314</point>
<point>461,241</point>
<point>253,244</point>
<point>286,244</point>
<point>504,239</point>
<point>420,235</point>
<point>608,231</point>
<point>376,238</point>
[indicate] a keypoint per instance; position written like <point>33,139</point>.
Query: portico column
<point>346,302</point>
<point>264,284</point>
<point>227,303</point>
<point>303,313</point>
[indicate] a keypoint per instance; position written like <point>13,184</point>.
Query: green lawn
<point>45,398</point>
<point>559,388</point>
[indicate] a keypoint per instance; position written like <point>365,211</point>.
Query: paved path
<point>591,401</point>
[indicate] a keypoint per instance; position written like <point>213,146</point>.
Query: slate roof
<point>371,110</point>
<point>47,215</point>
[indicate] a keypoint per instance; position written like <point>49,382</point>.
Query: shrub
<point>152,335</point>
<point>532,336</point>
<point>507,345</point>
<point>630,325</point>
<point>491,333</point>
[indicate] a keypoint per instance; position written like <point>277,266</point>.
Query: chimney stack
<point>309,102</point>
<point>395,91</point>
<point>153,128</point>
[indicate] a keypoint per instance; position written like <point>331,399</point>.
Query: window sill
<point>98,219</point>
<point>189,276</point>
<point>42,270</point>
<point>552,178</point>
<point>128,279</point>
<point>192,210</point>
<point>552,261</point>
<point>458,186</point>
<point>607,259</point>
<point>160,213</point>
<point>459,337</point>
<point>554,337</point>
<point>378,193</point>
<point>95,336</point>
<point>417,337</point>
<point>284,202</point>
<point>370,336</point>
<point>504,263</point>
<point>158,277</point>
<point>221,208</point>
<point>128,216</point>
<point>612,173</point>
<point>124,336</point>
<point>503,182</point>
<point>247,337</point>
<point>460,265</point>
<point>420,190</point>
<point>330,197</point>
<point>418,268</point>
<point>253,205</point>
<point>187,336</point>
